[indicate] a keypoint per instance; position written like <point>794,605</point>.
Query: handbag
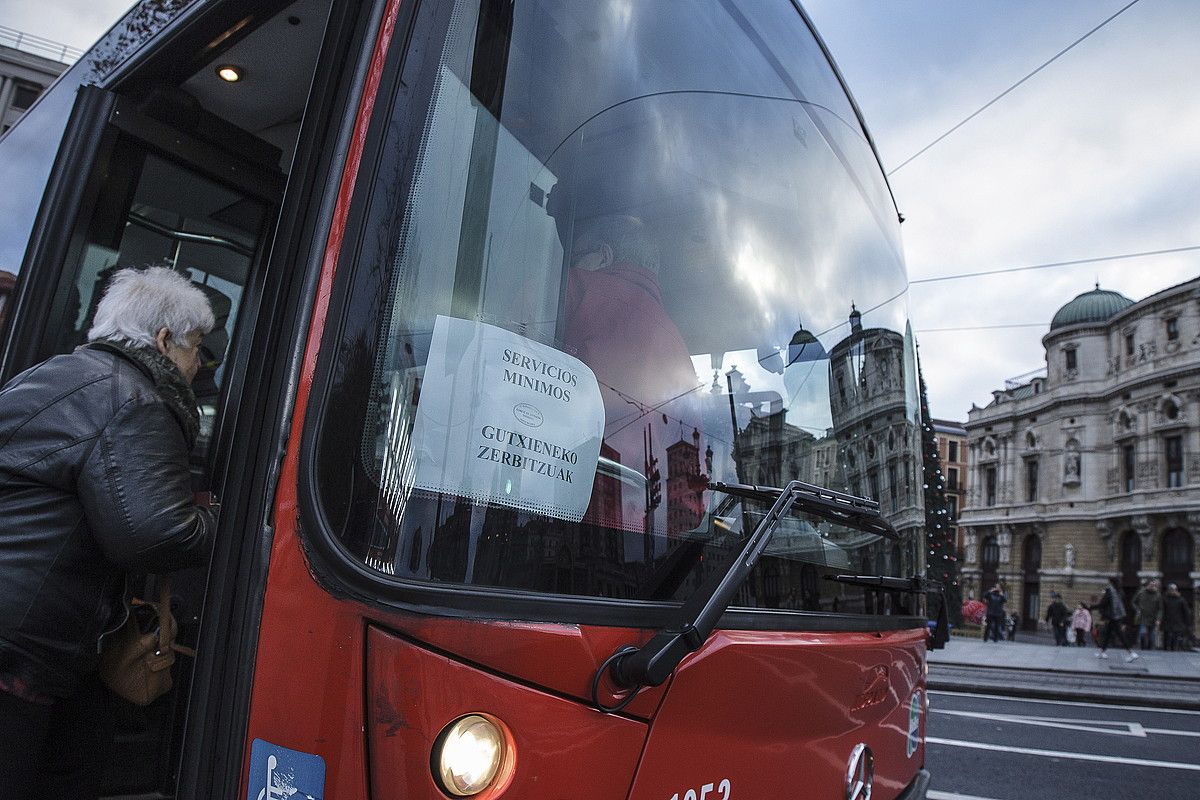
<point>136,664</point>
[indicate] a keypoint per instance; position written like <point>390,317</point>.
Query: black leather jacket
<point>94,483</point>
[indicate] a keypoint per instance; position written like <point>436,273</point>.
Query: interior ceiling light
<point>230,73</point>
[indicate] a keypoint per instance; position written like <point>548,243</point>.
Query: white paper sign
<point>506,420</point>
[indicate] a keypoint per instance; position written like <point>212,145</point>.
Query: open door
<point>170,166</point>
<point>149,193</point>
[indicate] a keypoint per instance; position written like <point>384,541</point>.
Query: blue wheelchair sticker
<point>277,773</point>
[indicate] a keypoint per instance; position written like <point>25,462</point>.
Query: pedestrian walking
<point>94,484</point>
<point>994,621</point>
<point>1112,612</point>
<point>1057,615</point>
<point>1177,620</point>
<point>1147,613</point>
<point>1081,623</point>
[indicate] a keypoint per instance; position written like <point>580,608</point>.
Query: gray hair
<point>138,303</point>
<point>626,236</point>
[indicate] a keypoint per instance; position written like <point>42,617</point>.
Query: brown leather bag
<point>136,666</point>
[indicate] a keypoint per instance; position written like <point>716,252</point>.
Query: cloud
<point>78,23</point>
<point>1093,156</point>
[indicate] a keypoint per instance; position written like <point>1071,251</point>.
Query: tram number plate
<point>715,791</point>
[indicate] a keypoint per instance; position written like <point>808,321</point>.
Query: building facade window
<point>1072,363</point>
<point>1129,344</point>
<point>952,479</point>
<point>1031,479</point>
<point>1173,450</point>
<point>989,484</point>
<point>989,562</point>
<point>1128,467</point>
<point>953,448</point>
<point>952,505</point>
<point>1173,329</point>
<point>24,95</point>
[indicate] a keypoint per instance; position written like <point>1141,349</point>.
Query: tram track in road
<point>995,747</point>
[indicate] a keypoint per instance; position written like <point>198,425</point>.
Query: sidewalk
<point>1041,670</point>
<point>964,651</point>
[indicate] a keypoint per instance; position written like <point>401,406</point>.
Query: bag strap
<point>163,607</point>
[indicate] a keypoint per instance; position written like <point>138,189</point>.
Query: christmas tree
<point>941,563</point>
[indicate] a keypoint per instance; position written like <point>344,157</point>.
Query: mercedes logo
<point>860,773</point>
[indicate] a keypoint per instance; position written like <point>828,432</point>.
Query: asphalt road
<point>990,747</point>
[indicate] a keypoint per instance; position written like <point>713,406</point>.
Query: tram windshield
<point>635,249</point>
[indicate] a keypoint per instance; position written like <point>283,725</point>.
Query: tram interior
<point>193,179</point>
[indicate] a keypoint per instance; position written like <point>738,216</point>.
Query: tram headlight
<point>230,73</point>
<point>469,754</point>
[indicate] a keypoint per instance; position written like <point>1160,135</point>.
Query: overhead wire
<point>983,327</point>
<point>1049,265</point>
<point>1000,96</point>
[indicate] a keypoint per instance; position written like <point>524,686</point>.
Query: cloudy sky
<point>1096,155</point>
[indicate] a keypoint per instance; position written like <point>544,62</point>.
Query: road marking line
<point>1033,751</point>
<point>1066,702</point>
<point>935,795</point>
<point>1169,732</point>
<point>1089,725</point>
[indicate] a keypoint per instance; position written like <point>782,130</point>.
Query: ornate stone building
<point>872,396</point>
<point>28,64</point>
<point>1091,469</point>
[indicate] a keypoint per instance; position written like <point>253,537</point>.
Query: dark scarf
<point>168,382</point>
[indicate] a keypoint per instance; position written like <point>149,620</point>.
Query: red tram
<point>559,348</point>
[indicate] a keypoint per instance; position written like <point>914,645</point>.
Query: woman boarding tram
<point>561,400</point>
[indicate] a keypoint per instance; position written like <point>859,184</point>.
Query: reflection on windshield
<point>680,213</point>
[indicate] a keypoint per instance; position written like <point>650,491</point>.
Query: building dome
<point>1098,305</point>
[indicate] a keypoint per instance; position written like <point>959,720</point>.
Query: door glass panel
<point>155,212</point>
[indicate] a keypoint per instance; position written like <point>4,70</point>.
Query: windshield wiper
<point>634,667</point>
<point>845,509</point>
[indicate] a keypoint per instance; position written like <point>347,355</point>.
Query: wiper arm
<point>844,509</point>
<point>651,664</point>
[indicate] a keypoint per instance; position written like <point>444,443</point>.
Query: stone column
<point>1193,527</point>
<point>7,86</point>
<point>1002,469</point>
<point>1004,539</point>
<point>1145,531</point>
<point>1104,529</point>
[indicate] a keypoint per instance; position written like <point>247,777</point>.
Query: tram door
<point>159,197</point>
<point>174,174</point>
<point>167,208</point>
